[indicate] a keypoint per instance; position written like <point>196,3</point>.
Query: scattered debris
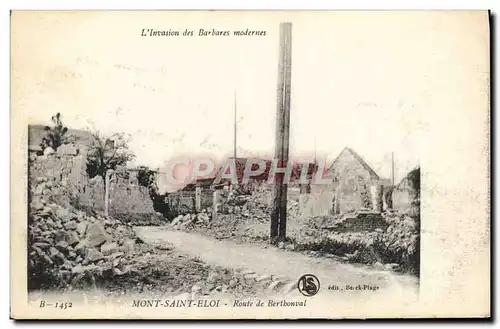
<point>181,222</point>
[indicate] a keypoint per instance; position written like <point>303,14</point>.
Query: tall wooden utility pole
<point>234,139</point>
<point>278,214</point>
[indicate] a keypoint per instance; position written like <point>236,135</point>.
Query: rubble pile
<point>390,239</point>
<point>359,221</point>
<point>257,209</point>
<point>240,215</point>
<point>254,205</point>
<point>166,272</point>
<point>65,243</point>
<point>181,222</point>
<point>293,209</point>
<point>224,227</point>
<point>52,190</point>
<point>234,203</point>
<point>72,249</point>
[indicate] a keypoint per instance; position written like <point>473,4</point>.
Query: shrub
<point>56,135</point>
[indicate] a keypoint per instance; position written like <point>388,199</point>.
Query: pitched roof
<point>365,165</point>
<point>241,163</point>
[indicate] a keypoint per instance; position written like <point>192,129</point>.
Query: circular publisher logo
<point>308,285</point>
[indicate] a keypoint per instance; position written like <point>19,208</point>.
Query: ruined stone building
<point>407,191</point>
<point>351,188</point>
<point>67,166</point>
<point>352,180</point>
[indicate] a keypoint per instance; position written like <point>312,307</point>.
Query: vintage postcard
<point>250,164</point>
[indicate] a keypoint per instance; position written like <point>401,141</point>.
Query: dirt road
<point>265,260</point>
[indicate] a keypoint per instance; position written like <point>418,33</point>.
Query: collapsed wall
<point>407,192</point>
<point>70,240</point>
<point>127,196</point>
<point>68,166</point>
<point>60,175</point>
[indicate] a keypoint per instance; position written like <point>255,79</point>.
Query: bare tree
<point>107,153</point>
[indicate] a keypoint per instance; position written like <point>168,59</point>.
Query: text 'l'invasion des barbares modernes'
<point>201,33</point>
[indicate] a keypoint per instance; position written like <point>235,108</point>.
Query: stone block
<point>67,149</point>
<point>109,248</point>
<point>60,236</point>
<point>48,151</point>
<point>78,269</point>
<point>81,228</point>
<point>71,225</point>
<point>96,235</point>
<point>62,245</point>
<point>93,255</point>
<point>128,246</point>
<point>63,214</point>
<point>73,238</point>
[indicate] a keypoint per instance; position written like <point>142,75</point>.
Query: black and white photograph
<point>250,165</point>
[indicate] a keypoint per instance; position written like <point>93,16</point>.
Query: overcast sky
<point>360,80</point>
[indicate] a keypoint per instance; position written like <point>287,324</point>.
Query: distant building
<point>352,178</point>
<point>208,182</point>
<point>350,188</point>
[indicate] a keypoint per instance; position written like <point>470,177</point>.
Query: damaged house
<point>407,192</point>
<point>355,186</point>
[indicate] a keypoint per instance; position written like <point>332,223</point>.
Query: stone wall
<point>182,201</point>
<point>68,166</point>
<point>127,196</point>
<point>68,163</point>
<point>352,179</point>
<point>185,201</point>
<point>407,191</point>
<point>60,174</point>
<point>351,189</point>
<point>401,198</point>
<point>92,195</point>
<point>320,201</point>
